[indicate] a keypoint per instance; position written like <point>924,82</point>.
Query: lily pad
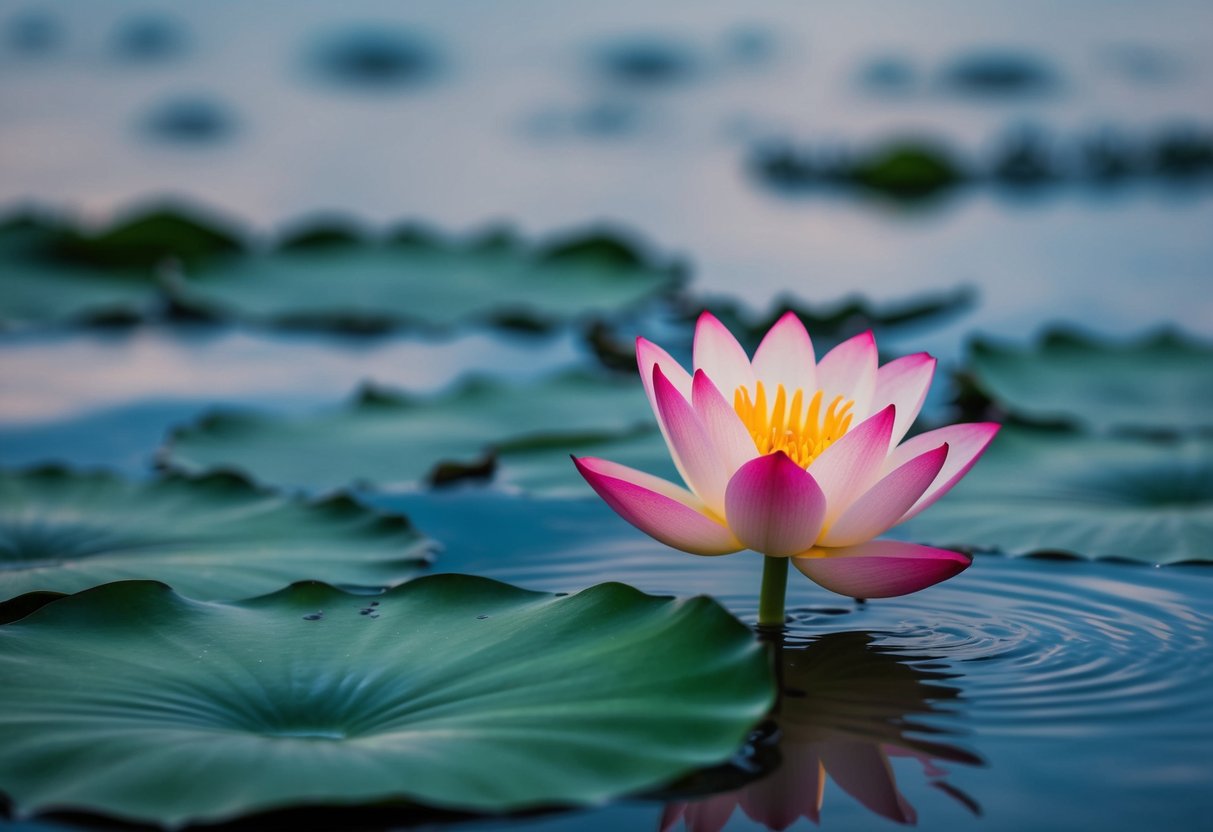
<point>451,691</point>
<point>840,321</point>
<point>1096,497</point>
<point>216,537</point>
<point>323,277</point>
<point>392,440</point>
<point>907,169</point>
<point>38,288</point>
<point>52,271</point>
<point>427,281</point>
<point>1163,382</point>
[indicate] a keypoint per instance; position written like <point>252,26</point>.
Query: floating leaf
<point>1118,497</point>
<point>145,240</point>
<point>906,169</point>
<point>321,277</point>
<point>426,281</point>
<point>451,690</point>
<point>373,58</point>
<point>38,286</point>
<point>212,538</point>
<point>996,74</point>
<point>840,321</point>
<point>922,168</point>
<point>540,466</point>
<point>393,440</point>
<point>1159,383</point>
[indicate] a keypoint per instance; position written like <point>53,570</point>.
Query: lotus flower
<point>795,458</point>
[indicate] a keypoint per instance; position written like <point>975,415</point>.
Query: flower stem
<point>774,588</point>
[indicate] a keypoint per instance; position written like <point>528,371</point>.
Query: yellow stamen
<point>780,428</point>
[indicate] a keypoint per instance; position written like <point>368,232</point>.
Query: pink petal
<point>882,505</point>
<point>725,430</point>
<point>774,506</point>
<point>852,465</point>
<point>648,356</point>
<point>966,443</point>
<point>862,770</point>
<point>786,357</point>
<point>658,508</point>
<point>880,568</point>
<point>850,370</point>
<point>904,382</point>
<point>701,467</point>
<point>718,354</point>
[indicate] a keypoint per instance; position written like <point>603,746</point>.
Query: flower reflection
<point>846,709</point>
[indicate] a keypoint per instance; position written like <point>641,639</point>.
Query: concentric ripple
<point>1051,647</point>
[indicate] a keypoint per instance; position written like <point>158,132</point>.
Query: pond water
<point>1025,693</point>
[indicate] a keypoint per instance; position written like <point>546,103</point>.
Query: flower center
<point>782,425</point>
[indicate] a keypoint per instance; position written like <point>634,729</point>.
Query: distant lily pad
<point>427,281</point>
<point>1095,497</point>
<point>646,61</point>
<point>479,430</point>
<point>840,321</point>
<point>909,169</point>
<point>540,466</point>
<point>53,271</point>
<point>1159,383</point>
<point>37,287</point>
<point>191,119</point>
<point>375,58</point>
<point>999,73</point>
<point>451,691</point>
<point>150,39</point>
<point>332,277</point>
<point>212,538</point>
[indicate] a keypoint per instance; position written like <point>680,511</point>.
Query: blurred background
<point>1035,162</point>
<point>713,129</point>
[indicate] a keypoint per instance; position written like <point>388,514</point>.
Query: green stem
<point>774,588</point>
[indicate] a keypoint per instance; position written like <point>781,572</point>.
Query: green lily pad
<point>215,537</point>
<point>1160,383</point>
<point>450,691</point>
<point>906,169</point>
<point>540,466</point>
<point>39,285</point>
<point>326,277</point>
<point>479,430</point>
<point>329,278</point>
<point>1096,497</point>
<point>842,320</point>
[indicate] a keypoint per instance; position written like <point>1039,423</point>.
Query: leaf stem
<point>774,589</point>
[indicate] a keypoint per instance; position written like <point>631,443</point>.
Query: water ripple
<point>1053,648</point>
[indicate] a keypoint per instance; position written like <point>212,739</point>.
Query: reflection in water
<point>846,708</point>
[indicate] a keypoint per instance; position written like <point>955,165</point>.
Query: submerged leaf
<point>211,538</point>
<point>451,691</point>
<point>1096,497</point>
